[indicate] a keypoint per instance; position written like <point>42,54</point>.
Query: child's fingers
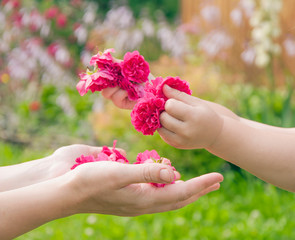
<point>109,92</point>
<point>169,137</point>
<point>178,95</point>
<point>170,123</point>
<point>177,109</point>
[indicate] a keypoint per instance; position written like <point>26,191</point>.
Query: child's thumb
<point>176,94</point>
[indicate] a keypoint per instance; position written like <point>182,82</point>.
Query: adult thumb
<point>147,173</point>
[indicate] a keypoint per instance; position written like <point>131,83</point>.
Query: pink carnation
<point>106,154</point>
<point>153,157</point>
<point>103,60</point>
<point>113,154</point>
<point>145,114</point>
<point>134,91</point>
<point>61,20</point>
<point>147,157</point>
<point>135,68</point>
<point>51,12</point>
<point>83,159</point>
<point>94,82</point>
<point>156,87</point>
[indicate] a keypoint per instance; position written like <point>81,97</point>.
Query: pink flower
<point>103,60</point>
<point>135,68</point>
<point>134,91</point>
<point>147,157</point>
<point>145,114</point>
<point>61,20</point>
<point>156,87</point>
<point>153,157</point>
<point>106,154</point>
<point>108,64</point>
<point>34,106</point>
<point>113,154</point>
<point>51,12</point>
<point>83,159</point>
<point>52,48</point>
<point>94,82</point>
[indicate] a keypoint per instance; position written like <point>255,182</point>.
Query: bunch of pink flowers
<point>145,115</point>
<point>113,154</point>
<point>131,74</point>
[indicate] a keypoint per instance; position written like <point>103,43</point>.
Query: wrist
<point>218,130</point>
<point>77,194</point>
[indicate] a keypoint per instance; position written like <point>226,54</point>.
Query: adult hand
<point>64,158</point>
<point>123,189</point>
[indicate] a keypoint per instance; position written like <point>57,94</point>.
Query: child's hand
<point>188,122</point>
<point>119,97</point>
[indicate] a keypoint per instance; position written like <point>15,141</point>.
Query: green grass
<point>243,208</point>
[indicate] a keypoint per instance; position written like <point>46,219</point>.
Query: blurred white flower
<point>172,41</point>
<point>64,102</point>
<point>121,40</point>
<point>215,41</point>
<point>98,105</point>
<point>45,30</point>
<point>90,13</point>
<point>289,45</point>
<point>248,6</point>
<point>25,18</point>
<point>135,39</point>
<point>236,16</point>
<point>85,57</point>
<point>266,27</point>
<point>62,55</point>
<point>262,59</point>
<point>121,17</point>
<point>148,27</point>
<point>8,7</point>
<point>2,20</point>
<point>89,231</point>
<point>210,13</point>
<point>91,219</point>
<point>248,55</point>
<point>81,34</point>
<point>271,6</point>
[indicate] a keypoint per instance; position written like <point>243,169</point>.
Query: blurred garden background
<point>239,53</point>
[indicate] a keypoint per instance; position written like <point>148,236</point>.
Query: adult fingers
<point>183,191</point>
<point>145,173</point>
<point>181,204</point>
<point>194,198</point>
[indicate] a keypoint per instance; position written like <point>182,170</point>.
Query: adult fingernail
<point>165,175</point>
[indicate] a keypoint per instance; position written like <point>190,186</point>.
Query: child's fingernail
<point>167,87</point>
